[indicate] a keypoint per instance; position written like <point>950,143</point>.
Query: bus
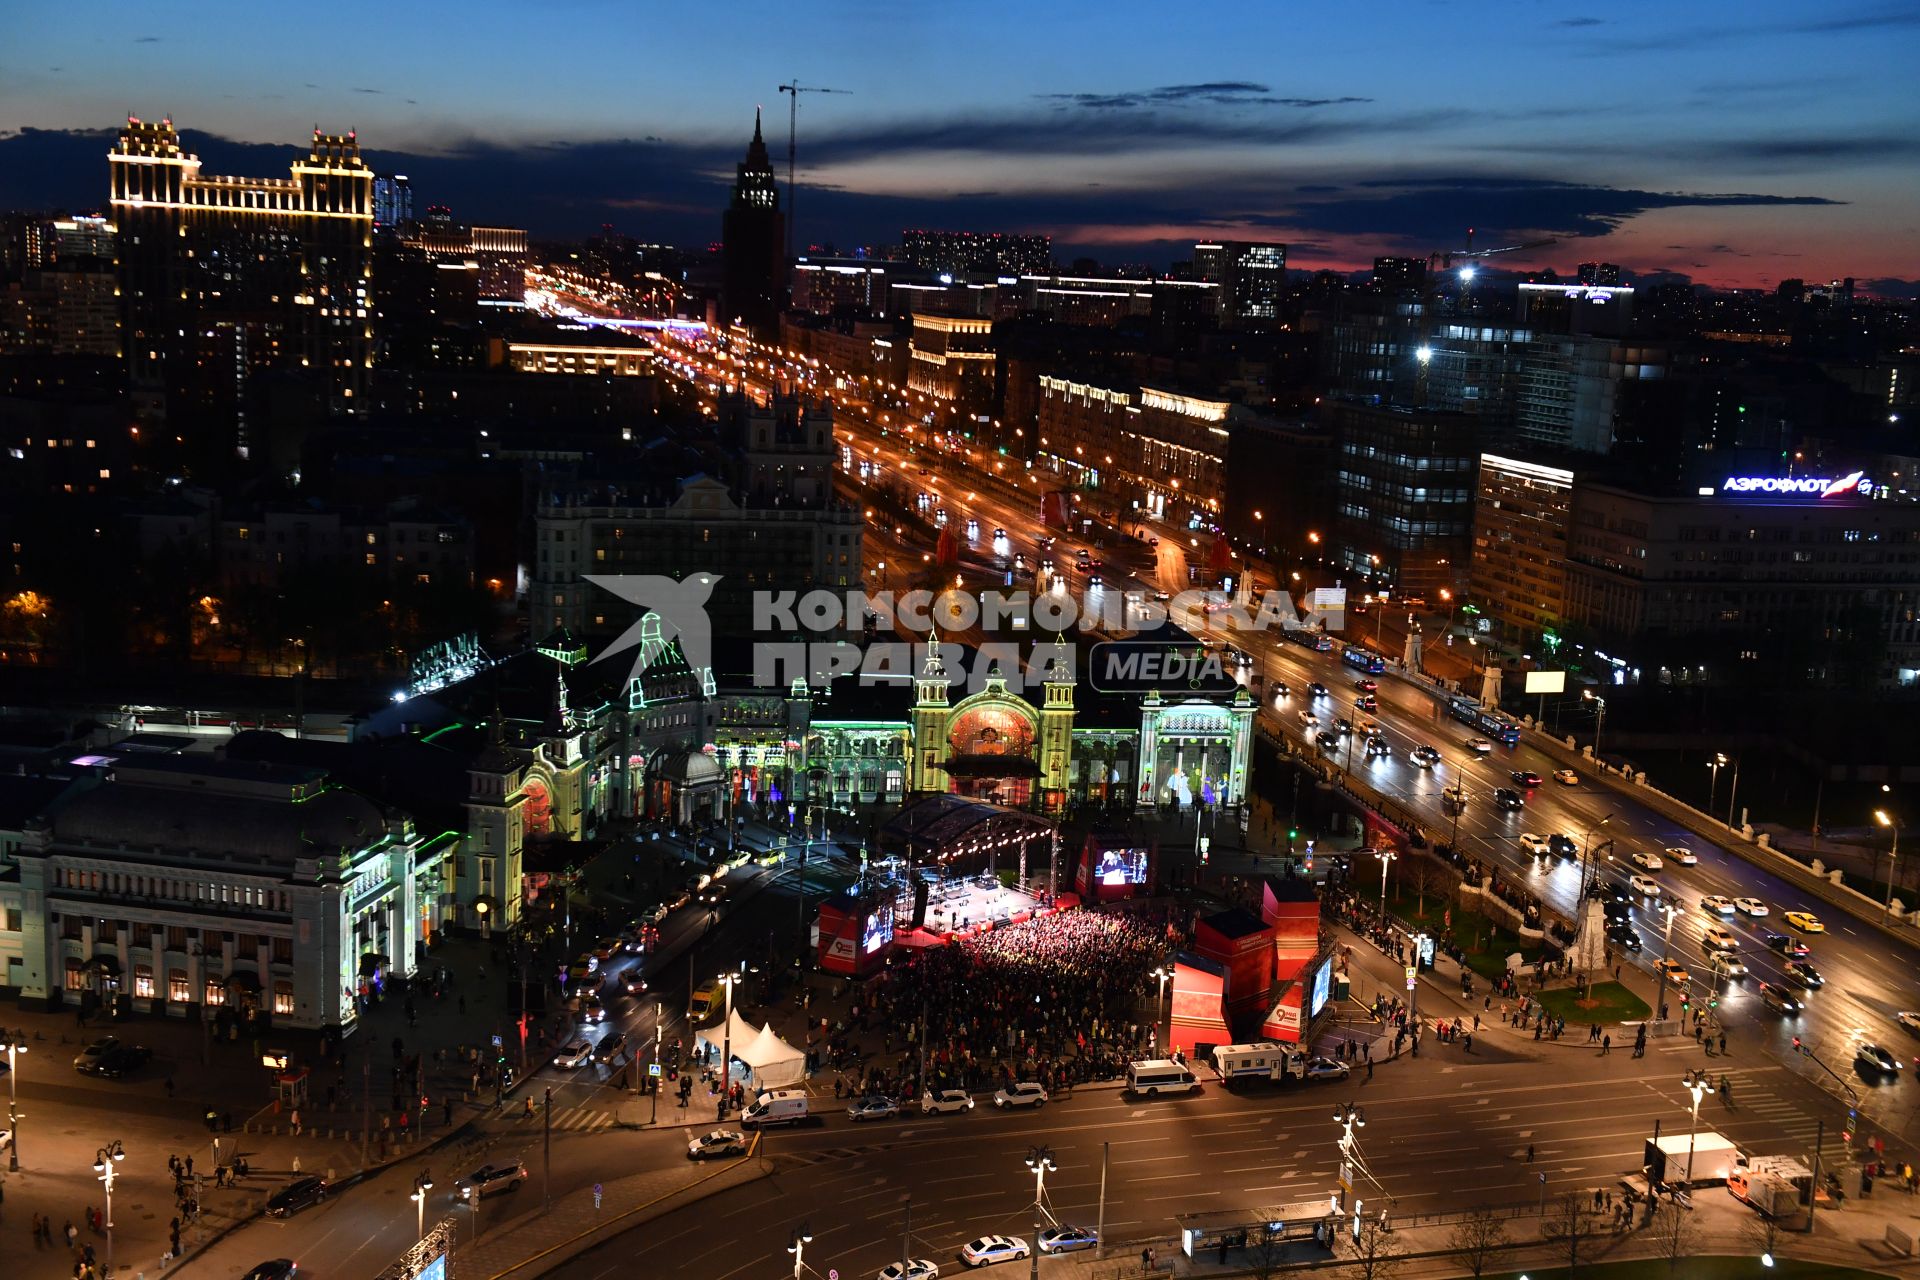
<point>1318,641</point>
<point>1363,659</point>
<point>1492,723</point>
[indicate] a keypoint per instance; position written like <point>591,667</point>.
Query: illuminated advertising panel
<point>1322,986</point>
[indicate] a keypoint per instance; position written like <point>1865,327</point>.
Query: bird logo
<point>680,607</point>
<point>1845,484</point>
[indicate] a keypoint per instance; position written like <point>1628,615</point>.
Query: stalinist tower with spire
<point>754,288</point>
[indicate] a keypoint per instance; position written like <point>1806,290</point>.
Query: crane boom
<point>793,90</point>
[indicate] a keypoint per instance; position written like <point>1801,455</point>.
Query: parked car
<point>1326,1069</point>
<point>301,1193</point>
<point>119,1061</point>
<point>988,1250</point>
<point>491,1180</point>
<point>95,1051</point>
<point>911,1269</point>
<point>1028,1093</point>
<point>945,1102</point>
<point>873,1108</point>
<point>1064,1239</point>
<point>719,1143</point>
<point>276,1269</point>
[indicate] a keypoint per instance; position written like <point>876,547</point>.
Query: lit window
<point>143,982</point>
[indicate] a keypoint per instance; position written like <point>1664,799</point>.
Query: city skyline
<point>1383,141</point>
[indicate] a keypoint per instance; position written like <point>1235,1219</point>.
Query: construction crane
<point>793,92</point>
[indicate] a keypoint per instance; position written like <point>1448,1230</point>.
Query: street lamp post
<point>1713,787</point>
<point>1696,1084</point>
<point>797,1242</point>
<point>1599,722</point>
<point>1666,945</point>
<point>1160,1002</point>
<point>727,980</point>
<point>1892,822</point>
<point>103,1165</point>
<point>421,1185</point>
<point>1040,1160</point>
<point>1386,857</point>
<point>1349,1117</point>
<point>15,1045</point>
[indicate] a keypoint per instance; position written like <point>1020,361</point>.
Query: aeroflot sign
<point>1803,486</point>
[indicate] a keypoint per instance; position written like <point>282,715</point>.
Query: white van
<point>776,1107</point>
<point>1156,1076</point>
<point>1262,1060</point>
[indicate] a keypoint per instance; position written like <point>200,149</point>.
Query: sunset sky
<point>1734,143</point>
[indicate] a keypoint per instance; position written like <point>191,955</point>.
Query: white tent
<point>775,1063</point>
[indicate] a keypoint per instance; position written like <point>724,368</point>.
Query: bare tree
<point>1376,1254</point>
<point>1673,1231</point>
<point>1570,1220</point>
<point>1764,1230</point>
<point>1478,1237</point>
<point>1266,1251</point>
<point>1424,877</point>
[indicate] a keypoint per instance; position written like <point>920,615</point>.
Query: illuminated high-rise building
<point>754,288</point>
<point>392,200</point>
<point>1252,279</point>
<point>225,278</point>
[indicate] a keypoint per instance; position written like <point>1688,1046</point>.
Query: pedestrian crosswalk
<point>582,1119</point>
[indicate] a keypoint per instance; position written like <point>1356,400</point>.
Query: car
<point>988,1250</point>
<point>606,949</point>
<point>1803,972</point>
<point>1525,778</point>
<point>491,1180</point>
<point>1342,726</point>
<point>1645,884</point>
<point>1028,1093</point>
<point>1563,845</point>
<point>1367,702</point>
<point>714,895</point>
<point>717,1144</point>
<point>1566,777</point>
<point>611,1046</point>
<point>1281,689</point>
<point>1876,1058</point>
<point>1479,745</point>
<point>119,1061</point>
<point>1719,938</point>
<point>1616,912</point>
<point>1317,690</point>
<point>1378,748</point>
<point>588,961</point>
<point>1365,727</point>
<point>276,1269</point>
<point>1750,906</point>
<point>1804,921</point>
<point>1327,741</point>
<point>1623,935</point>
<point>1728,965</point>
<point>1509,799</point>
<point>591,1008</point>
<point>1535,844</point>
<point>873,1108</point>
<point>301,1193</point>
<point>574,1053</point>
<point>945,1102</point>
<point>1909,1021</point>
<point>94,1052</point>
<point>1326,1069</point>
<point>911,1269</point>
<point>1717,904</point>
<point>1683,856</point>
<point>1367,685</point>
<point>1787,946</point>
<point>1424,756</point>
<point>1646,860</point>
<point>677,901</point>
<point>1780,1000</point>
<point>1065,1239</point>
<point>632,982</point>
<point>1673,971</point>
<point>1454,797</point>
<point>1308,718</point>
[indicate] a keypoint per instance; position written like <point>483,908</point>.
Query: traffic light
<point>1293,833</point>
<point>1713,1002</point>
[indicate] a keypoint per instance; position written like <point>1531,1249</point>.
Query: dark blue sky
<point>1736,143</point>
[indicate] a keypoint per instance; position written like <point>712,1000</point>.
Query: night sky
<point>1734,143</point>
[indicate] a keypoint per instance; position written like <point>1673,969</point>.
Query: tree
<point>1266,1252</point>
<point>1764,1230</point>
<point>1376,1254</point>
<point>1673,1231</point>
<point>1424,876</point>
<point>1570,1220</point>
<point>1478,1237</point>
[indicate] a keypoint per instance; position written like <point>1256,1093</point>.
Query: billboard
<point>1322,986</point>
<point>1328,606</point>
<point>1122,866</point>
<point>877,930</point>
<point>1546,682</point>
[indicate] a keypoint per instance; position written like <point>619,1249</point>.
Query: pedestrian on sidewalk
<point>296,1164</point>
<point>296,1122</point>
<point>1606,1044</point>
<point>1723,1042</point>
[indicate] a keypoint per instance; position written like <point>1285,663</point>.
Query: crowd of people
<point>1058,999</point>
